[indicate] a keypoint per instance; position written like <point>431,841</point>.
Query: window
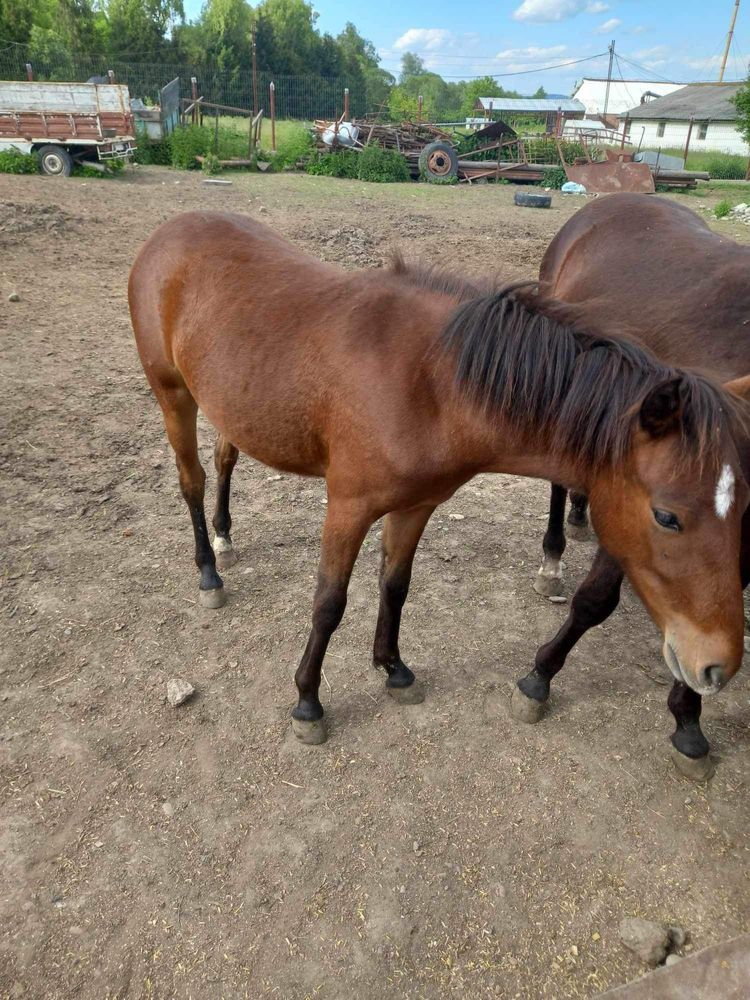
<point>703,130</point>
<point>660,129</point>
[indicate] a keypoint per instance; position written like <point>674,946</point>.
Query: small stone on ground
<point>178,691</point>
<point>647,939</point>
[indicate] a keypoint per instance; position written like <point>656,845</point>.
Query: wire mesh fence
<point>300,97</point>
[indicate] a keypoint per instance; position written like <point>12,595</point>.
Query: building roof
<point>529,105</point>
<point>702,101</point>
<point>623,94</point>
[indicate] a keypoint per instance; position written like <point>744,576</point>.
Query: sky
<point>515,40</point>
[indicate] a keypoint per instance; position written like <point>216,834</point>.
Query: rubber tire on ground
<point>533,200</point>
<point>55,161</point>
<point>438,160</point>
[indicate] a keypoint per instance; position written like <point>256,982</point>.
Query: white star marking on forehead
<point>724,492</point>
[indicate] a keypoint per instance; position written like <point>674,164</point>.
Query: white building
<point>623,94</point>
<point>665,123</point>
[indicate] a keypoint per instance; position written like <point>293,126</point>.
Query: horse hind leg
<point>180,417</point>
<point>578,522</point>
<point>549,579</point>
<point>225,459</point>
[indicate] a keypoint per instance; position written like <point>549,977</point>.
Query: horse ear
<point>739,387</point>
<point>660,410</point>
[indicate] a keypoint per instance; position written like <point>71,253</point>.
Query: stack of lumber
<point>408,138</point>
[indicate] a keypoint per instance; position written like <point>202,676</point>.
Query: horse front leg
<point>401,533</point>
<point>593,603</point>
<point>548,581</point>
<point>344,531</point>
<point>689,745</point>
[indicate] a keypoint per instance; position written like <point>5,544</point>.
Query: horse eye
<point>667,520</point>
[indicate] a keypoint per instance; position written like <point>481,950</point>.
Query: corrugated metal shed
<point>527,105</point>
<point>702,101</point>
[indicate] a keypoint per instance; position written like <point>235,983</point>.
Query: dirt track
<point>424,851</point>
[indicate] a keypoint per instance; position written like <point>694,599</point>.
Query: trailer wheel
<point>55,161</point>
<point>438,160</point>
<point>532,200</point>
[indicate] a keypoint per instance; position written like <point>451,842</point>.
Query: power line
<point>525,72</point>
<point>645,69</point>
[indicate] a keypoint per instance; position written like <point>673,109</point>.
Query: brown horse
<point>649,268</point>
<point>398,389</point>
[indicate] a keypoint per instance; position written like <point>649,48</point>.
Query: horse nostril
<point>713,677</point>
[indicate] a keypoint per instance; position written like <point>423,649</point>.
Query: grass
<point>285,130</point>
<point>721,166</point>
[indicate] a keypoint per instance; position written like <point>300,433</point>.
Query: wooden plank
<point>67,98</point>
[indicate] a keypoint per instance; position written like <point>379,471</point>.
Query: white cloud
<point>607,26</point>
<point>424,38</point>
<point>639,29</point>
<point>545,11</point>
<point>532,54</point>
<point>712,62</point>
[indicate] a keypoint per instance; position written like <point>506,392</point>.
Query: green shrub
<point>211,164</point>
<point>189,142</point>
<point>723,209</point>
<point>115,166</point>
<point>13,161</point>
<point>727,168</point>
<point>152,151</point>
<point>382,165</point>
<point>296,145</point>
<point>343,163</point>
<point>554,178</point>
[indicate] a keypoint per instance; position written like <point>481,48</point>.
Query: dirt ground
<point>425,851</point>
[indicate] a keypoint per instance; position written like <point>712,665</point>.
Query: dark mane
<point>437,279</point>
<point>515,358</point>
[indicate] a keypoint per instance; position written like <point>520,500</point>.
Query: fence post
<point>29,72</point>
<point>194,96</point>
<point>346,104</point>
<point>273,116</point>
<point>689,137</point>
<point>255,76</point>
<point>111,75</point>
<point>624,132</point>
<point>420,105</point>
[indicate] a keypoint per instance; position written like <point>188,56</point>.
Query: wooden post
<point>624,132</point>
<point>273,116</point>
<point>687,142</point>
<point>29,72</point>
<point>216,133</point>
<point>255,75</point>
<point>420,105</point>
<point>346,104</point>
<point>194,95</point>
<point>488,111</point>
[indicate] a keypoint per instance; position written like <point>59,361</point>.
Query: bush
<point>343,163</point>
<point>382,165</point>
<point>189,142</point>
<point>153,152</point>
<point>296,145</point>
<point>13,161</point>
<point>554,178</point>
<point>211,164</point>
<point>727,168</point>
<point>723,209</point>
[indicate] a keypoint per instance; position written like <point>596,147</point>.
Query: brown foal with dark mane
<point>398,388</point>
<point>652,269</point>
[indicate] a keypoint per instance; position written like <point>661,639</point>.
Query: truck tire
<point>438,160</point>
<point>55,161</point>
<point>533,200</point>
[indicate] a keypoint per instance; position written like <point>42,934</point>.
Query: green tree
<point>741,101</point>
<point>411,65</point>
<point>539,94</point>
<point>483,86</point>
<point>138,28</point>
<point>226,34</point>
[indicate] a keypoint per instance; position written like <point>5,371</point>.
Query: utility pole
<point>255,77</point>
<point>609,77</point>
<point>735,12</point>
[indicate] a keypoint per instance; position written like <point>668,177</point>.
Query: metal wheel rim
<point>439,163</point>
<point>53,163</point>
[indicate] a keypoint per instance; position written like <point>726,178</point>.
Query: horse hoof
<point>312,733</point>
<point>580,532</point>
<point>694,768</point>
<point>213,599</point>
<point>226,558</point>
<point>548,586</point>
<point>525,709</point>
<point>414,694</point>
